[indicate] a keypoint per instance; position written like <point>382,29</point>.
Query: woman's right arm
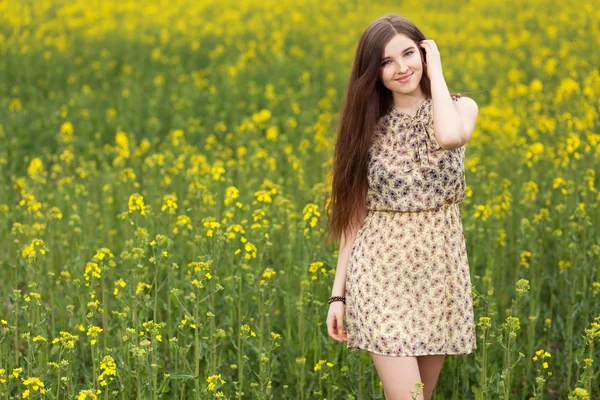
<point>346,243</point>
<point>336,309</point>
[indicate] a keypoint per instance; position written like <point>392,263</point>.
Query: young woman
<point>398,177</point>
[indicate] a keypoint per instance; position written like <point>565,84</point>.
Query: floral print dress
<point>408,288</point>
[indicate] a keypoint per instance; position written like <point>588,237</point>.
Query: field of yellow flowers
<point>163,166</point>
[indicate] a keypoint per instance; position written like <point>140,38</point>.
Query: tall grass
<point>162,168</point>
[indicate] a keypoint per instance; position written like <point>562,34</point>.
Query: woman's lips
<point>405,79</point>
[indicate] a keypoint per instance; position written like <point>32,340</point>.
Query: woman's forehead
<point>397,44</point>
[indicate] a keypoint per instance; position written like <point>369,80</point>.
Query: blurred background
<point>163,169</point>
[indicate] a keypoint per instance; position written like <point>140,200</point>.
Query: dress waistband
<point>412,211</point>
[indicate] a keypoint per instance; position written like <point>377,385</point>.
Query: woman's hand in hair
<point>433,62</point>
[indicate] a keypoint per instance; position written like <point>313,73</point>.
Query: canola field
<point>163,169</point>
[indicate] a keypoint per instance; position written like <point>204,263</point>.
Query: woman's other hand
<point>335,322</point>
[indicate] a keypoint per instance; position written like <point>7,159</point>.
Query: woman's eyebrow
<point>408,48</point>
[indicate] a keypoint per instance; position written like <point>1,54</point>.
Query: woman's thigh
<point>398,376</point>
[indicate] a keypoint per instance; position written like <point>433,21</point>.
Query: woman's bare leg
<point>430,367</point>
<point>398,376</point>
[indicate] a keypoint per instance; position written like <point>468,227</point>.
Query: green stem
<point>58,382</point>
<point>197,350</point>
<point>155,314</point>
<point>360,381</point>
<point>507,363</point>
<point>213,340</point>
<point>16,319</point>
<point>94,368</point>
<point>104,315</point>
<point>590,376</point>
<point>570,338</point>
<point>30,356</point>
<point>155,362</point>
<point>465,375</point>
<point>69,377</point>
<point>302,346</point>
<point>58,378</point>
<point>261,332</point>
<point>137,380</point>
<point>483,374</point>
<point>239,340</point>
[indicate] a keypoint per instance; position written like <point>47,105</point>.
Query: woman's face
<point>402,57</point>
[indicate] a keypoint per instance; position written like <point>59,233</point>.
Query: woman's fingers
<point>332,326</point>
<point>335,327</point>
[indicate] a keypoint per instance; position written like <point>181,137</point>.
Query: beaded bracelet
<point>337,298</point>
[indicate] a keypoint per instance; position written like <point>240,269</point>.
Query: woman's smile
<point>405,79</point>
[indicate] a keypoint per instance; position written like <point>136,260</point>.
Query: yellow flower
<point>136,203</point>
<point>141,286</point>
<point>246,330</point>
<point>311,211</point>
<point>122,148</point>
<point>66,340</point>
<point>210,223</point>
<point>262,116</point>
<point>314,267</point>
<point>31,251</point>
<point>35,383</point>
<point>272,133</point>
<point>93,331</point>
<point>102,253</point>
<point>525,258</point>
<point>263,196</point>
<point>127,175</point>
<point>268,273</point>
<point>66,132</point>
<point>211,381</point>
<point>531,190</point>
<point>109,368</point>
<point>169,203</point>
<point>14,105</point>
<point>85,394</point>
<point>319,365</point>
<point>35,167</point>
<point>580,393</point>
<point>91,270</point>
<point>562,264</point>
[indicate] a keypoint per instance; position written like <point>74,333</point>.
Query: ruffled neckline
<point>405,115</point>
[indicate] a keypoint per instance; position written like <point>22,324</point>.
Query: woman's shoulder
<point>456,96</point>
<point>462,98</point>
<point>465,104</point>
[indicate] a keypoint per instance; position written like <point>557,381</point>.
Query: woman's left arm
<point>453,122</point>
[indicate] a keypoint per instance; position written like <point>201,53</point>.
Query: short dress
<point>408,288</point>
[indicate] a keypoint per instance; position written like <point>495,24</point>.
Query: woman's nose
<point>402,70</point>
<point>402,67</point>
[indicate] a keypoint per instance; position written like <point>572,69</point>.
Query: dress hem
<point>352,348</point>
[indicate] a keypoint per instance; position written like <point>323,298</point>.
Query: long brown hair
<point>365,102</point>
